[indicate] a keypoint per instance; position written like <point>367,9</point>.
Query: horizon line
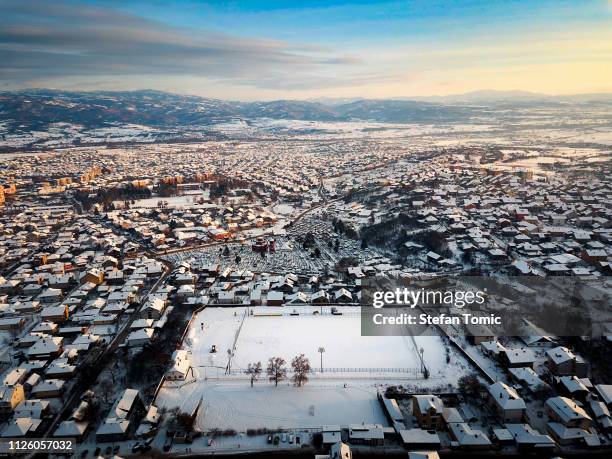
<point>508,92</point>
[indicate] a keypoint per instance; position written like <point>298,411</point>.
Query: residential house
<point>10,397</point>
<point>567,412</point>
<point>366,434</point>
<point>563,362</point>
<point>428,409</point>
<point>121,417</point>
<point>505,400</point>
<point>181,366</point>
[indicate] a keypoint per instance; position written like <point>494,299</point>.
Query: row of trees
<point>342,228</point>
<point>105,196</point>
<point>277,370</point>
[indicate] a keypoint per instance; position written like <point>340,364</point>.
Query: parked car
<point>210,442</point>
<point>269,439</point>
<point>137,447</point>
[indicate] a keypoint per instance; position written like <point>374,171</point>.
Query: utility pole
<point>321,350</point>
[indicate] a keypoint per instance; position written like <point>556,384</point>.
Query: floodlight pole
<point>321,350</point>
<point>422,351</point>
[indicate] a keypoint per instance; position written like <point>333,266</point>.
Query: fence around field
<point>238,373</point>
<point>411,371</point>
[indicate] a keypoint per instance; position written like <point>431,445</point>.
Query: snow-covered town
<point>204,298</point>
<point>314,229</point>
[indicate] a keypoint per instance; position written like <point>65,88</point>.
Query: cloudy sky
<point>308,48</point>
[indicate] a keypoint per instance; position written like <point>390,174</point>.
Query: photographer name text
<point>439,319</point>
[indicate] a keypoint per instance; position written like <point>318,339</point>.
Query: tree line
<point>277,370</point>
<point>106,196</point>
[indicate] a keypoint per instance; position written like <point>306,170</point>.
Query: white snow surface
<point>355,367</point>
<point>284,335</point>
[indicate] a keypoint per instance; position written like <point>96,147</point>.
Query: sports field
<point>354,368</point>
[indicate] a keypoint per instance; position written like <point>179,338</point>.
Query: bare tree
<point>253,370</point>
<point>276,369</point>
<point>107,387</point>
<point>470,386</point>
<point>185,421</point>
<point>301,368</point>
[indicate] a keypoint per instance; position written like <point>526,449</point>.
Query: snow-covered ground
<point>233,404</point>
<point>237,406</point>
<point>340,335</point>
<point>355,367</point>
<point>285,209</point>
<point>184,201</point>
<point>262,332</point>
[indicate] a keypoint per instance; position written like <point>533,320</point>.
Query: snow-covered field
<point>355,367</point>
<point>256,334</point>
<point>288,336</point>
<point>184,201</point>
<point>236,405</point>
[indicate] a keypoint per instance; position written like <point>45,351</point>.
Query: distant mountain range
<point>37,109</point>
<point>42,118</point>
<point>515,97</point>
<point>30,110</point>
<point>488,97</point>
